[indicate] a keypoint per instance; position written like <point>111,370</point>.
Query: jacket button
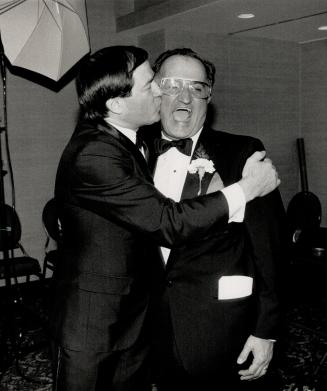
<point>169,283</point>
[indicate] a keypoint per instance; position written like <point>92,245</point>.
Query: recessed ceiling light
<point>322,28</point>
<point>245,16</point>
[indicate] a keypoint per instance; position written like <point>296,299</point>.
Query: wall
<point>39,124</point>
<point>313,95</point>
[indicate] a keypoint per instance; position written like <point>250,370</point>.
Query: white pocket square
<point>233,287</point>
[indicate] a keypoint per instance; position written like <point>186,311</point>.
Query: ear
<point>209,99</point>
<point>115,105</point>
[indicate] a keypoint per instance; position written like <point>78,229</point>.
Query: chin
<point>183,129</point>
<point>153,120</point>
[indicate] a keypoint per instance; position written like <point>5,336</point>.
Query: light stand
<point>12,336</point>
<point>9,321</point>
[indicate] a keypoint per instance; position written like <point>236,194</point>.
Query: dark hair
<point>208,66</point>
<point>106,74</point>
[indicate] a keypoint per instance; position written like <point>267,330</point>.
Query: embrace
<point>172,235</point>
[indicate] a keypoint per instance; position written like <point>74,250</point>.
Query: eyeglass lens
<point>172,86</point>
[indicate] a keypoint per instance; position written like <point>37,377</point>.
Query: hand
<point>262,350</point>
<point>259,176</point>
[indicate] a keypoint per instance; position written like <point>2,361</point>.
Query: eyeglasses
<point>172,86</point>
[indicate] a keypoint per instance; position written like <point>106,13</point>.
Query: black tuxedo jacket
<point>111,217</point>
<point>210,333</point>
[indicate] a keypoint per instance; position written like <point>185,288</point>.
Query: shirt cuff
<point>236,202</point>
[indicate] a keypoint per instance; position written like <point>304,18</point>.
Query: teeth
<point>183,109</point>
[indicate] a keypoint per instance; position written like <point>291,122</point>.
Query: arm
<point>105,179</point>
<point>265,226</point>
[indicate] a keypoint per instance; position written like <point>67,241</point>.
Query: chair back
<point>50,218</point>
<point>10,228</point>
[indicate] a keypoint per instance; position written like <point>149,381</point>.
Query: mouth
<point>182,114</point>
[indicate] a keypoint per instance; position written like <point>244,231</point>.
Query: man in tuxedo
<point>218,316</point>
<point>111,215</point>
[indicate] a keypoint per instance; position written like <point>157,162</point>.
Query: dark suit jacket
<point>111,214</point>
<point>210,333</point>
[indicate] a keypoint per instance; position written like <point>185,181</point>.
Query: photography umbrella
<point>44,36</point>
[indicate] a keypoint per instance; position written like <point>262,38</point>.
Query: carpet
<point>296,360</point>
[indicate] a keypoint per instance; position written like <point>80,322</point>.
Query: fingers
<point>252,161</point>
<point>262,350</point>
<point>257,156</point>
<point>244,354</point>
<point>255,371</point>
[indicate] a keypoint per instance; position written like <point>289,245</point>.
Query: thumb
<point>244,354</point>
<point>258,155</point>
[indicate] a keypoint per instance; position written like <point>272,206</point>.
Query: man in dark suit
<point>111,214</point>
<point>219,307</point>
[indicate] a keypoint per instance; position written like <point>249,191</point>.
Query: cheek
<point>166,110</point>
<point>200,113</point>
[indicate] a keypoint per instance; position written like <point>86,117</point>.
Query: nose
<point>185,94</point>
<point>155,89</point>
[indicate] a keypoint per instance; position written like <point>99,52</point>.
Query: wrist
<point>248,188</point>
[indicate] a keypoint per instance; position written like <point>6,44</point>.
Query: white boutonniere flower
<point>201,166</point>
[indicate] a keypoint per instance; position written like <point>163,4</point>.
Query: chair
<point>54,236</point>
<point>11,265</point>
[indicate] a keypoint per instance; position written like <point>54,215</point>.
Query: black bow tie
<point>184,145</point>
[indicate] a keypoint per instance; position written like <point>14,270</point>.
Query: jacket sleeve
<point>107,180</point>
<point>265,222</point>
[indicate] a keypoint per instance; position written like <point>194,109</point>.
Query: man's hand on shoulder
<point>259,176</point>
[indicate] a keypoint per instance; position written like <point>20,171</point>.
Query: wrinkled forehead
<point>183,67</point>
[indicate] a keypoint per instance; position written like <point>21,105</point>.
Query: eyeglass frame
<point>190,85</point>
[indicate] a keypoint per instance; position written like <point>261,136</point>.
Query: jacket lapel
<point>206,148</point>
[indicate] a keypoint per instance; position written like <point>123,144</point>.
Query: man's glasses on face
<point>173,86</point>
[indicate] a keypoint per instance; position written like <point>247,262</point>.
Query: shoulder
<point>92,148</point>
<point>225,136</point>
<point>232,140</point>
<point>92,137</point>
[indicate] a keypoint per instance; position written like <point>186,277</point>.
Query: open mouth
<point>182,113</point>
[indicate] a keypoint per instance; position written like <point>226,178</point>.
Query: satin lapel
<point>191,186</point>
<point>129,145</point>
<point>215,152</point>
<point>209,148</point>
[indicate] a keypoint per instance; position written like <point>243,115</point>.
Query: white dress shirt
<point>169,179</point>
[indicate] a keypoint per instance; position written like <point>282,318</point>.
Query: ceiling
<point>291,20</point>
